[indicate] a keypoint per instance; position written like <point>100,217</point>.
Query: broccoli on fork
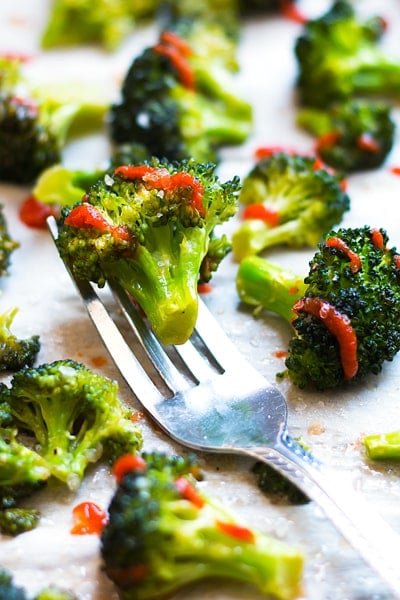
<point>345,314</point>
<point>164,534</point>
<point>149,227</point>
<point>288,199</point>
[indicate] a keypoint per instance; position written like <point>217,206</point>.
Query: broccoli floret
<point>163,534</point>
<point>8,589</point>
<point>14,521</point>
<point>73,417</point>
<point>34,130</point>
<point>353,135</point>
<point>7,245</point>
<point>149,227</point>
<point>176,101</point>
<point>55,593</point>
<point>101,22</point>
<point>276,486</point>
<point>15,352</point>
<point>339,57</point>
<point>291,200</point>
<point>383,446</point>
<point>346,323</point>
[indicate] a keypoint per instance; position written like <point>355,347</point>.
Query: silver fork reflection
<point>206,396</point>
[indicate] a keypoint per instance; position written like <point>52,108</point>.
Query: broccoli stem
<point>383,446</point>
<point>261,283</point>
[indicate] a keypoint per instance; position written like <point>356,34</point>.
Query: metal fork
<point>207,397</point>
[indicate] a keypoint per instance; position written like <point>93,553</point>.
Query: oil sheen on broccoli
<point>352,135</point>
<point>345,315</point>
<point>176,98</point>
<point>164,534</point>
<point>290,200</point>
<point>150,228</point>
<point>69,416</point>
<point>339,57</point>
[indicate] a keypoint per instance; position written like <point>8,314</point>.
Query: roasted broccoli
<point>69,415</point>
<point>163,534</point>
<point>102,22</point>
<point>175,98</point>
<point>15,353</point>
<point>34,130</point>
<point>353,135</point>
<point>289,199</point>
<point>339,57</point>
<point>346,322</point>
<point>14,521</point>
<point>383,446</point>
<point>7,245</point>
<point>149,227</point>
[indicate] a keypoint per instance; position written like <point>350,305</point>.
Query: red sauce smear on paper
<point>339,325</point>
<point>126,463</point>
<point>177,51</point>
<point>33,213</point>
<point>237,531</point>
<point>395,170</point>
<point>89,519</point>
<point>161,179</point>
<point>261,212</point>
<point>86,216</point>
<point>189,492</point>
<point>355,261</point>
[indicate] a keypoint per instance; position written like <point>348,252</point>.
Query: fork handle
<point>364,529</point>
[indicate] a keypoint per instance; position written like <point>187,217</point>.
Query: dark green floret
<point>306,199</point>
<point>7,245</point>
<point>353,135</point>
<point>176,121</point>
<point>163,534</point>
<point>368,296</point>
<point>339,57</point>
<point>160,258</point>
<point>15,352</point>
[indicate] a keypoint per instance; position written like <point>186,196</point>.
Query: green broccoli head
<point>72,414</point>
<point>14,521</point>
<point>163,534</point>
<point>15,353</point>
<point>353,135</point>
<point>35,129</point>
<point>102,22</point>
<point>347,323</point>
<point>176,102</point>
<point>149,227</point>
<point>289,199</point>
<point>339,57</point>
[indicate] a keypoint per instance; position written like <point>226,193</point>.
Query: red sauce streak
<point>87,216</point>
<point>189,492</point>
<point>163,180</point>
<point>268,151</point>
<point>366,142</point>
<point>355,261</point>
<point>99,361</point>
<point>204,288</point>
<point>33,213</point>
<point>261,212</point>
<point>177,51</point>
<point>126,463</point>
<point>290,11</point>
<point>327,140</point>
<point>89,519</point>
<point>237,531</point>
<point>377,239</point>
<point>18,56</point>
<point>339,325</point>
<point>281,353</point>
<point>396,259</point>
<point>395,170</point>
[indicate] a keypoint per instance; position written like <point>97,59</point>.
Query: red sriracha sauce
<point>89,519</point>
<point>177,51</point>
<point>126,463</point>
<point>367,143</point>
<point>339,325</point>
<point>377,239</point>
<point>161,179</point>
<point>34,213</point>
<point>355,261</point>
<point>189,492</point>
<point>237,531</point>
<point>290,11</point>
<point>261,212</point>
<point>85,216</point>
<point>327,140</point>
